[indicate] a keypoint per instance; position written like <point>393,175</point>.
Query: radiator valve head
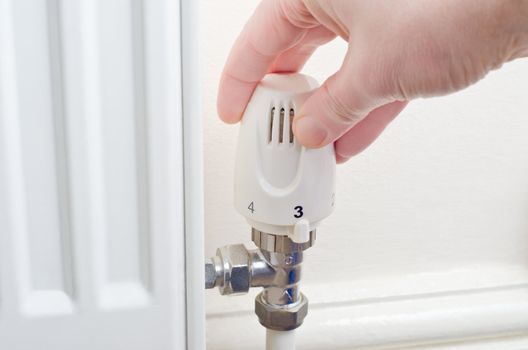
<point>281,187</point>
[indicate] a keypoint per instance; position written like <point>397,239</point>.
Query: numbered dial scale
<point>281,187</point>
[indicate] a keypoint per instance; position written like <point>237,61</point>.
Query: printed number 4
<point>251,207</point>
<point>299,211</point>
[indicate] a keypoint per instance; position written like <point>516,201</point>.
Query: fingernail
<point>340,159</point>
<point>310,131</point>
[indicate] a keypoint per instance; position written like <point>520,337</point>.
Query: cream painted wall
<point>439,201</point>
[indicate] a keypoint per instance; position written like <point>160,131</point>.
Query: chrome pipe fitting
<point>275,266</point>
<point>279,243</point>
<point>281,318</point>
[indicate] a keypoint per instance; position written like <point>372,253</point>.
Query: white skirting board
<point>426,311</point>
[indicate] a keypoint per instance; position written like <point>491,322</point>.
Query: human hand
<point>397,51</point>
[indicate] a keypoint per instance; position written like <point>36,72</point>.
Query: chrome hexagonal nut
<point>237,274</point>
<point>210,273</point>
<point>281,318</point>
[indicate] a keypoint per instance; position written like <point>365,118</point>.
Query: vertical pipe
<point>280,340</point>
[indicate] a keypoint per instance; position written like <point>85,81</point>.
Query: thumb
<point>341,102</point>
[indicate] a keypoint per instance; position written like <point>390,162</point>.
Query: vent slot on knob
<point>280,128</point>
<point>270,137</point>
<point>292,112</point>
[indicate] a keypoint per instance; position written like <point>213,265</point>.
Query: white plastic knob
<point>280,186</point>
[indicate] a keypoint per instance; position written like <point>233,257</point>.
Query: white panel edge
<point>12,285</point>
<point>193,174</point>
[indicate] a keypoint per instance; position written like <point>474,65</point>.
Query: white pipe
<point>280,340</point>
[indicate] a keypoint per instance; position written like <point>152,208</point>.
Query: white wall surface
<point>429,240</point>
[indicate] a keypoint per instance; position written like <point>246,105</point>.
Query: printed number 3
<point>299,211</point>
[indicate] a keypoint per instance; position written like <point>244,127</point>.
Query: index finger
<point>267,34</point>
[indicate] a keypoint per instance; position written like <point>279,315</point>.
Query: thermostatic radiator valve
<point>284,190</point>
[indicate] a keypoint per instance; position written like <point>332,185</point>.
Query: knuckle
<point>296,12</point>
<point>341,111</point>
<point>378,74</point>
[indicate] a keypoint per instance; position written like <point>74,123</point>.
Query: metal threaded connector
<point>210,273</point>
<point>275,266</point>
<point>281,318</point>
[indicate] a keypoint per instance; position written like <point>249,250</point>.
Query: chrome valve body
<point>275,266</point>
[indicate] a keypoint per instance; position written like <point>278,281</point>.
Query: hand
<point>397,51</point>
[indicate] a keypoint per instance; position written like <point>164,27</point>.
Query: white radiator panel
<point>116,132</point>
<point>38,203</point>
<point>92,244</point>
